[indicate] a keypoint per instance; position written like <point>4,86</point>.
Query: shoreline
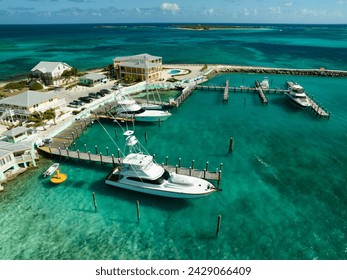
<point>226,68</point>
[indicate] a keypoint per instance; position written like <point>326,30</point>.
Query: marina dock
<point>260,91</point>
<point>114,160</point>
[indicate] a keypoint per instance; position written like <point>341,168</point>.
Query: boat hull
<point>296,103</point>
<point>157,192</point>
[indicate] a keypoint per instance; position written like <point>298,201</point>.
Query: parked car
<point>86,99</point>
<point>73,104</point>
<point>101,93</point>
<point>94,95</point>
<point>105,91</point>
<point>79,102</point>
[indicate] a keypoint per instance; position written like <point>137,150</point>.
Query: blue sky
<point>127,11</point>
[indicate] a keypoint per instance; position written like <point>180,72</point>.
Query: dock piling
<point>138,211</point>
<point>96,149</point>
<point>231,144</point>
<point>219,220</point>
<point>94,200</point>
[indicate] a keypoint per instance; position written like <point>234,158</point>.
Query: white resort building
<point>142,66</point>
<point>50,72</point>
<point>15,158</point>
<point>92,79</point>
<point>21,106</point>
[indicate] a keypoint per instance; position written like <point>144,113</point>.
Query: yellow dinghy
<point>58,177</point>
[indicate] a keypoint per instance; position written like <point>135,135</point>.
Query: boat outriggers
<point>51,170</point>
<point>139,172</point>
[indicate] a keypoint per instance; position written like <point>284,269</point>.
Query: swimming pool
<point>174,71</point>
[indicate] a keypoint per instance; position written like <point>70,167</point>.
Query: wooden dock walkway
<point>260,91</point>
<point>226,92</point>
<point>114,160</point>
<point>317,109</point>
<point>186,92</point>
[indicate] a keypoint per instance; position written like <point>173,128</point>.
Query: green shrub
<point>36,86</point>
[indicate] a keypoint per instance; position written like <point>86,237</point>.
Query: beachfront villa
<point>143,67</point>
<point>14,158</point>
<point>49,72</point>
<point>16,134</point>
<point>92,79</point>
<point>21,106</point>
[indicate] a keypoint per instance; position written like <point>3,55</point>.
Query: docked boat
<point>51,170</point>
<point>129,108</point>
<point>265,83</point>
<point>297,95</point>
<point>139,172</point>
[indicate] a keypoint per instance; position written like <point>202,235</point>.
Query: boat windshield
<point>136,112</point>
<point>159,181</point>
<point>298,89</point>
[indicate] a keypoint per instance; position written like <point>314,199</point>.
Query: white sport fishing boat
<point>51,170</point>
<point>128,108</point>
<point>139,172</point>
<point>297,95</point>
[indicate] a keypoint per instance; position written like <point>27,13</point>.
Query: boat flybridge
<point>297,95</point>
<point>139,172</point>
<point>128,108</point>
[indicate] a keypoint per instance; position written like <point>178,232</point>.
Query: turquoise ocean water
<point>284,186</point>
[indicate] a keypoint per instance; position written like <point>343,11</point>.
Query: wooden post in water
<point>231,144</point>
<point>50,150</point>
<point>74,145</point>
<point>94,200</point>
<point>146,137</point>
<point>115,132</point>
<point>193,161</point>
<point>107,151</point>
<point>204,173</point>
<point>138,210</point>
<point>221,167</point>
<point>90,160</point>
<point>218,224</point>
<point>167,161</point>
<point>190,171</point>
<point>67,152</point>
<point>85,147</point>
<point>113,160</point>
<point>179,163</point>
<point>219,176</point>
<point>73,136</point>
<point>176,169</point>
<point>101,158</point>
<point>206,166</point>
<point>118,153</point>
<point>78,154</point>
<point>59,153</point>
<point>96,149</point>
<point>64,145</point>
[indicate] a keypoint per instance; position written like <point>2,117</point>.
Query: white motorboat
<point>128,108</point>
<point>297,95</point>
<point>139,172</point>
<point>265,83</point>
<point>51,170</point>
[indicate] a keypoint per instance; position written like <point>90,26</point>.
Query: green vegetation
<point>204,68</point>
<point>67,74</point>
<point>16,85</point>
<point>129,79</point>
<point>40,118</point>
<point>36,86</point>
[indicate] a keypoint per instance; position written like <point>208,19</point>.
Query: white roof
<point>15,131</point>
<point>93,76</point>
<point>137,57</point>
<point>13,147</point>
<point>48,66</point>
<point>28,98</point>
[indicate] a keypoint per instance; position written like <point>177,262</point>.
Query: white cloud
<point>246,12</point>
<point>288,4</point>
<point>170,7</point>
<point>275,10</point>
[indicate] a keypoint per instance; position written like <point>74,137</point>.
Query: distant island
<point>215,27</point>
